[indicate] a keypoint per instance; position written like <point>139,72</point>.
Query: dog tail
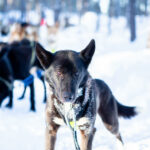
<point>126,111</point>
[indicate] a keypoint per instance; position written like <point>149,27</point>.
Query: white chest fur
<point>81,122</point>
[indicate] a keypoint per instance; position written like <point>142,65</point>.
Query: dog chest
<point>85,116</point>
<point>82,123</point>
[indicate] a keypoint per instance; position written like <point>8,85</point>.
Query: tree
<point>3,5</point>
<point>132,22</point>
<point>23,9</point>
<point>57,10</point>
<point>110,14</point>
<point>146,3</point>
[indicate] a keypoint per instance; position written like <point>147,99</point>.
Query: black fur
<point>6,75</point>
<point>126,111</point>
<point>19,55</point>
<point>66,72</point>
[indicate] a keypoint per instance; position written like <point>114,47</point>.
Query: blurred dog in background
<point>19,31</point>
<point>16,61</point>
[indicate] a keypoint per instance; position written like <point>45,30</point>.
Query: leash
<point>73,127</point>
<point>7,83</point>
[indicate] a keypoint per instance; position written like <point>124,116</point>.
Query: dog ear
<point>44,56</point>
<point>88,52</point>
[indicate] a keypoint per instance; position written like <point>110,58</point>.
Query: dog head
<point>66,70</point>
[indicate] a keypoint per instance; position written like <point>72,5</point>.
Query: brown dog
<point>20,31</point>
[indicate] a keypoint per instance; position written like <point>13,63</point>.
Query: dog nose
<point>67,96</point>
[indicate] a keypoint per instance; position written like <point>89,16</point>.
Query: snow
<point>124,66</point>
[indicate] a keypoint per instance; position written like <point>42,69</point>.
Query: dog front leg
<point>51,131</point>
<point>86,139</point>
<point>50,138</point>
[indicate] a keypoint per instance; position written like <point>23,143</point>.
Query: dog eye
<point>60,74</point>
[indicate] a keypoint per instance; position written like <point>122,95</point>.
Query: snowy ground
<point>124,66</point>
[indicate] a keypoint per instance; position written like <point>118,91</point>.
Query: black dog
<point>21,57</point>
<point>6,78</point>
<point>71,85</point>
